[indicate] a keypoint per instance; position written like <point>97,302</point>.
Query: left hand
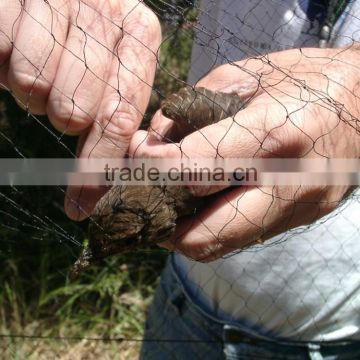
<point>304,104</point>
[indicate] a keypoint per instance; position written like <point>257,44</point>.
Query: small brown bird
<point>127,217</point>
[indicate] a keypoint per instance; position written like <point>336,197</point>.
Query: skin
<point>288,115</point>
<point>96,85</point>
<point>127,217</point>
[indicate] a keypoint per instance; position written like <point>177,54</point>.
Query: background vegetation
<point>42,314</point>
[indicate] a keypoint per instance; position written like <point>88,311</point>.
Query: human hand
<point>89,65</point>
<point>303,104</point>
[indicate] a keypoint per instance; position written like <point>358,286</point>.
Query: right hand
<point>89,65</point>
<point>304,103</point>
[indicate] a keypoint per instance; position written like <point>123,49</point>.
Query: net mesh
<point>283,260</point>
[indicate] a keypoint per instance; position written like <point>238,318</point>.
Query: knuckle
<point>144,14</point>
<point>145,21</point>
<point>120,124</point>
<point>285,140</point>
<point>151,20</point>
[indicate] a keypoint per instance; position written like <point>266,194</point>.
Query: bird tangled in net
<point>127,217</point>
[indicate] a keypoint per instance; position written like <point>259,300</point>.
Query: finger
<point>83,70</point>
<point>216,230</point>
<point>230,78</point>
<point>130,78</point>
<point>10,15</point>
<point>161,126</point>
<point>229,138</point>
<point>124,102</point>
<point>247,216</point>
<point>240,135</point>
<point>242,77</point>
<point>36,53</point>
<point>144,144</point>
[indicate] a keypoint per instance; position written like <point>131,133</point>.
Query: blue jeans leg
<point>177,328</point>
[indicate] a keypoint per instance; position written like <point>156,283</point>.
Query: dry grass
<point>68,350</point>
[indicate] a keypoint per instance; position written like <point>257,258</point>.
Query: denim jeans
<point>176,328</point>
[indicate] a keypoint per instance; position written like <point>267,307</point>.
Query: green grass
<point>109,301</point>
<point>38,243</point>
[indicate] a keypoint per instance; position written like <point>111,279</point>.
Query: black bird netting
<point>260,99</point>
